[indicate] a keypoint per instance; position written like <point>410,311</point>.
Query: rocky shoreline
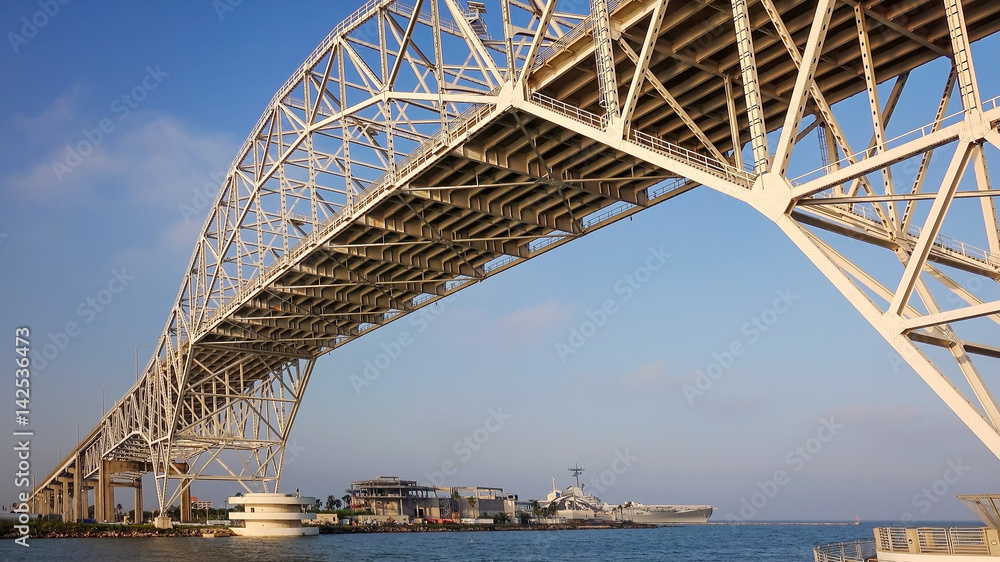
<point>351,529</point>
<point>58,529</point>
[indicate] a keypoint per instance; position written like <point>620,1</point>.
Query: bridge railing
<point>941,241</point>
<point>721,169</point>
<point>569,110</point>
<point>557,46</point>
<point>917,133</point>
<point>710,165</point>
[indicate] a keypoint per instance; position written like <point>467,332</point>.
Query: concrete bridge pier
<point>138,502</point>
<point>65,504</point>
<point>182,468</point>
<point>102,492</point>
<point>79,493</point>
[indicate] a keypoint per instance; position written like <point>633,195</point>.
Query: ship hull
<point>670,515</point>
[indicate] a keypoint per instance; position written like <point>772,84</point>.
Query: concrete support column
<point>138,501</point>
<point>182,468</point>
<point>101,492</point>
<point>186,502</point>
<point>109,500</point>
<point>88,486</point>
<point>65,506</point>
<point>79,493</point>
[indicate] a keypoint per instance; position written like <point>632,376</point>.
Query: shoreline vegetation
<point>41,529</point>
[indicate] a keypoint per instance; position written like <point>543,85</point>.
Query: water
<point>701,543</point>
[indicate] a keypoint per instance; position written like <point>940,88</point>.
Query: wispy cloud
<point>155,159</point>
<point>147,165</point>
<point>524,326</point>
<point>62,116</point>
<point>652,376</point>
<point>137,155</point>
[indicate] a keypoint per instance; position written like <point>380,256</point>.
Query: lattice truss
<point>385,83</point>
<point>424,147</point>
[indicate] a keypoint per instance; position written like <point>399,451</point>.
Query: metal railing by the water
<point>977,541</point>
<point>855,551</point>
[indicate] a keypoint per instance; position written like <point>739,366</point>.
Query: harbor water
<point>690,543</point>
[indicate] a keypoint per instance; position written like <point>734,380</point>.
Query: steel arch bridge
<point>428,145</point>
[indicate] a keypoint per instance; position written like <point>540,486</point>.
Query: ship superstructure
<point>575,504</point>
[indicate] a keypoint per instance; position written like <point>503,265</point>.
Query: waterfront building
<point>402,500</point>
<point>389,496</point>
<point>272,515</point>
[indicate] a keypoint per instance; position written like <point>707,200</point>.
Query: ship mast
<point>577,470</point>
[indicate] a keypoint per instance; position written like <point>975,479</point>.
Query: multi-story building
<point>390,496</point>
<point>196,504</point>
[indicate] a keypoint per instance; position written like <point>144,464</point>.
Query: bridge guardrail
<point>569,110</point>
<point>561,43</point>
<point>919,132</point>
<point>720,169</point>
<point>941,241</point>
<point>696,159</point>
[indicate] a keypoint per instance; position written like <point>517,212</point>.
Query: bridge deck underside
<point>696,52</point>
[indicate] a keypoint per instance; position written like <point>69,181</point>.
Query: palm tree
<point>329,502</point>
<point>472,504</point>
<point>536,508</point>
<point>337,504</point>
<point>347,500</point>
<point>118,511</point>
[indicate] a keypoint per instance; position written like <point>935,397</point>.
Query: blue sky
<point>115,221</point>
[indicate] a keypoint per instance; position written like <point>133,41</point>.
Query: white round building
<point>273,515</point>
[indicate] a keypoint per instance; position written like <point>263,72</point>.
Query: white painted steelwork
<point>423,147</point>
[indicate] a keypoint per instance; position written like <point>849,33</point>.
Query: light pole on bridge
<point>137,362</point>
<point>103,388</point>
